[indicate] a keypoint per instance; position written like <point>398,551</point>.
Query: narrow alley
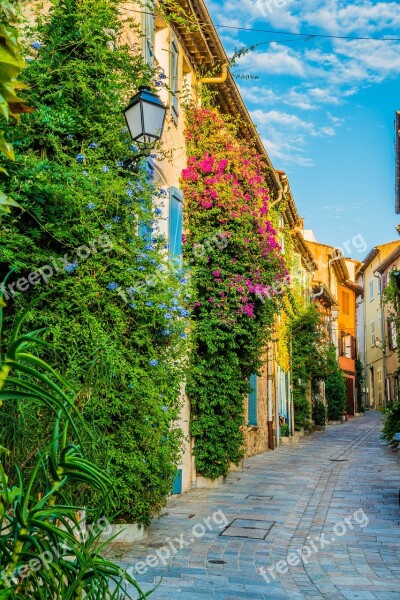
<point>331,498</point>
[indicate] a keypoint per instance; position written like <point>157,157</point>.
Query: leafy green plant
<point>391,421</point>
<point>285,430</point>
<point>237,275</point>
<point>11,65</point>
<point>360,383</point>
<point>115,313</point>
<point>319,413</point>
<point>308,350</point>
<point>335,387</point>
<point>45,552</point>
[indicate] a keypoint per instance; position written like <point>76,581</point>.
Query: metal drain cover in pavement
<point>255,498</point>
<point>248,528</point>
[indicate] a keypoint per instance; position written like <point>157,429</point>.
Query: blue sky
<point>324,107</point>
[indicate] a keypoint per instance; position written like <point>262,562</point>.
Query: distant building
<point>390,351</point>
<point>370,313</point>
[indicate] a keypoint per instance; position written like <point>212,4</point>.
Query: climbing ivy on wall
<point>308,351</point>
<point>86,248</point>
<point>237,276</point>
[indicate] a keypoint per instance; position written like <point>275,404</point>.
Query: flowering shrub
<point>114,310</point>
<point>236,286</point>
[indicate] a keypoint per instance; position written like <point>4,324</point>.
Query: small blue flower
<point>139,187</point>
<point>162,76</point>
<point>80,158</point>
<point>91,206</point>
<point>165,408</point>
<point>131,290</point>
<point>112,286</point>
<point>120,163</point>
<point>105,169</point>
<point>129,192</point>
<point>153,362</point>
<point>70,136</point>
<point>158,83</point>
<point>161,268</point>
<point>153,261</point>
<point>162,306</point>
<point>36,45</point>
<point>132,305</point>
<point>184,336</point>
<point>84,173</point>
<point>133,148</point>
<point>71,267</point>
<point>116,219</point>
<point>184,313</point>
<point>149,303</point>
<point>149,247</point>
<point>141,268</point>
<point>166,332</point>
<point>168,316</point>
<point>158,212</point>
<point>183,281</point>
<point>163,192</point>
<point>108,226</point>
<point>93,145</point>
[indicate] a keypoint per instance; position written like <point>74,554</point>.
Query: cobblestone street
<point>289,497</point>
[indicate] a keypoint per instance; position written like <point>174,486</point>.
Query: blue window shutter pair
<point>175,224</point>
<point>252,411</point>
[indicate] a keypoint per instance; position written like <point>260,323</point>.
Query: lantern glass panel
<point>154,116</point>
<point>133,116</point>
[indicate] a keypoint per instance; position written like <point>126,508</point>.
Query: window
<point>174,77</point>
<point>384,281</point>
<point>252,411</point>
<point>379,375</point>
<point>148,32</point>
<point>175,225</point>
<point>371,289</point>
<point>392,333</point>
<point>373,334</point>
<point>346,303</point>
<point>379,284</point>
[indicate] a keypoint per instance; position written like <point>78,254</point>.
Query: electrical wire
<point>310,35</point>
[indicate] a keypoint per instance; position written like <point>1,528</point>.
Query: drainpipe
<point>366,374</point>
<point>216,80</point>
<point>221,79</point>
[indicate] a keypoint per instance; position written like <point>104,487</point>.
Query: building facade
<point>373,336</point>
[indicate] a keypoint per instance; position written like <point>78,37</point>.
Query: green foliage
<point>11,65</point>
<point>285,430</point>
<point>113,309</point>
<point>335,387</point>
<point>391,422</point>
<point>302,408</point>
<point>360,383</point>
<point>45,552</point>
<point>308,346</point>
<point>319,413</point>
<point>237,274</point>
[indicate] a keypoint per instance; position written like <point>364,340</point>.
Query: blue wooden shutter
<point>175,225</point>
<point>148,32</point>
<point>252,417</point>
<point>177,483</point>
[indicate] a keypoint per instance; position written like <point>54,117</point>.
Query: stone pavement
<point>288,503</point>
